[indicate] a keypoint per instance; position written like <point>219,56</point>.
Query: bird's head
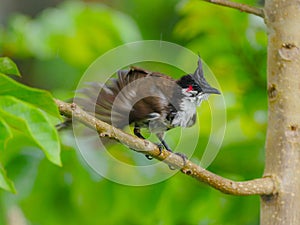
<point>195,85</point>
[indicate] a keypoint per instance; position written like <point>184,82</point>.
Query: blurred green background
<point>53,42</point>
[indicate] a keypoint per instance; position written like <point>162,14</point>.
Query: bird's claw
<point>149,157</point>
<point>183,156</point>
<point>184,159</point>
<point>160,147</point>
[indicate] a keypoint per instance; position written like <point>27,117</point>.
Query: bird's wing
<point>135,95</point>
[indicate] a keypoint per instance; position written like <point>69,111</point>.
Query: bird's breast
<point>186,116</point>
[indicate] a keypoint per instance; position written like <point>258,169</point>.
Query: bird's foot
<point>184,159</point>
<point>183,156</point>
<point>160,147</point>
<point>149,157</point>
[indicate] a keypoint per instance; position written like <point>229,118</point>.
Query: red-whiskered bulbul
<point>148,100</point>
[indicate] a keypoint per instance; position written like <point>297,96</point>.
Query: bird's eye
<point>190,88</point>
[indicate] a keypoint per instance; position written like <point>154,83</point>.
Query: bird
<point>145,99</point>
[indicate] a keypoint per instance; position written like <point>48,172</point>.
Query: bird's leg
<point>161,138</point>
<point>137,132</point>
<point>164,143</point>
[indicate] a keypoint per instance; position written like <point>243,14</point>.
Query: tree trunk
<point>283,135</point>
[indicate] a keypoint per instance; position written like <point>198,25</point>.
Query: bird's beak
<point>210,90</point>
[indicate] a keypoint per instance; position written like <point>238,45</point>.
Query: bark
<point>282,18</point>
<point>261,186</point>
<point>240,6</point>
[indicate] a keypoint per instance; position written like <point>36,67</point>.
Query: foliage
<point>52,51</point>
<point>20,112</point>
<point>70,37</point>
<point>7,66</point>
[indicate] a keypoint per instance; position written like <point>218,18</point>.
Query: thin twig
<point>240,6</point>
<point>261,186</point>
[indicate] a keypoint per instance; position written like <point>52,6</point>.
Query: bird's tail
<point>98,99</point>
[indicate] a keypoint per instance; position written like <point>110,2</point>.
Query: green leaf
<point>5,134</point>
<point>29,119</point>
<point>39,98</point>
<point>6,183</point>
<point>7,66</point>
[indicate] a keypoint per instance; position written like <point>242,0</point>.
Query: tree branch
<point>242,7</point>
<point>262,186</point>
